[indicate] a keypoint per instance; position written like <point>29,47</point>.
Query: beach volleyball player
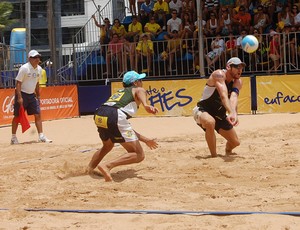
<point>217,109</point>
<point>111,118</point>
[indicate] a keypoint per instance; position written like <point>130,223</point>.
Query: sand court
<point>256,189</point>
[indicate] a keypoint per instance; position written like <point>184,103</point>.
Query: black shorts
<point>112,124</point>
<point>221,121</point>
<point>30,103</point>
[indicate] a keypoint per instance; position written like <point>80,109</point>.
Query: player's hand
<point>151,143</point>
<point>151,109</point>
<point>232,119</point>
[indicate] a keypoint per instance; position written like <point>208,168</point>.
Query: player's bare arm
<point>151,143</point>
<point>141,98</point>
<point>219,79</point>
<point>237,86</point>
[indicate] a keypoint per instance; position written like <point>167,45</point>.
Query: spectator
<point>135,29</point>
<point>187,28</point>
<point>226,4</point>
<point>239,42</point>
<point>261,54</point>
<point>217,50</point>
<point>152,28</point>
<point>146,11</point>
<point>105,30</point>
<point>49,70</point>
<point>173,49</point>
<point>231,48</point>
<point>175,5</point>
<point>173,24</point>
<point>196,31</point>
<point>114,53</point>
<point>212,26</point>
<point>118,29</point>
<point>270,8</point>
<point>286,17</point>
<point>260,20</point>
<point>161,10</point>
<point>188,6</point>
<point>296,15</point>
<point>242,20</point>
<point>225,22</point>
<point>210,6</point>
<point>145,50</point>
<point>274,52</point>
<point>132,7</point>
<point>241,3</point>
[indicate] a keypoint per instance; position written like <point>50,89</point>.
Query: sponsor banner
<point>56,102</point>
<point>278,94</point>
<point>179,97</point>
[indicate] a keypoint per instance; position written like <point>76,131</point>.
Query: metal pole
<point>52,40</point>
<point>28,25</point>
<point>200,38</point>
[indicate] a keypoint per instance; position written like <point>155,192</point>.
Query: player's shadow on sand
<point>226,158</point>
<point>119,176</point>
<point>127,174</point>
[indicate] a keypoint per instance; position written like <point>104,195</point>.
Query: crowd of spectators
<point>224,24</point>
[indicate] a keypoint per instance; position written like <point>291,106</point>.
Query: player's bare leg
<point>99,155</point>
<point>105,172</point>
<point>208,123</point>
<point>135,154</point>
<point>232,140</point>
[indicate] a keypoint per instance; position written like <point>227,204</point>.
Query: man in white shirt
<point>173,24</point>
<point>28,95</point>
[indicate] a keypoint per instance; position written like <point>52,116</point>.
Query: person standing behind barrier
<point>105,30</point>
<point>28,95</point>
<point>111,119</point>
<point>145,50</point>
<point>114,53</point>
<point>217,108</point>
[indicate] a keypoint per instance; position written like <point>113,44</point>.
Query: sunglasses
<point>35,57</point>
<point>236,66</point>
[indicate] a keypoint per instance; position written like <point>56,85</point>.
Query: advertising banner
<point>179,97</point>
<point>278,94</point>
<point>56,102</point>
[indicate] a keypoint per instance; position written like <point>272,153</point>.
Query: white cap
<point>235,61</point>
<point>49,63</point>
<point>33,53</point>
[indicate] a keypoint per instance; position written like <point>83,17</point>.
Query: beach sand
<point>178,177</point>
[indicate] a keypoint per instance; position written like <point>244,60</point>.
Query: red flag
<point>22,119</point>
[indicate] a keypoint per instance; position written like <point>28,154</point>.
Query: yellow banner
<point>277,94</point>
<point>179,97</point>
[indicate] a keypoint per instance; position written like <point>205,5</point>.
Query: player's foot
<point>105,172</point>
<point>44,139</point>
<point>229,152</point>
<point>14,141</point>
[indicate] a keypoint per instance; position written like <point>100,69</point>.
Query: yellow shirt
<point>144,46</point>
<point>152,27</point>
<point>43,79</point>
<point>164,6</point>
<point>120,31</point>
<point>134,28</point>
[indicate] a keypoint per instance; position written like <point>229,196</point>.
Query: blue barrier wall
<point>90,97</point>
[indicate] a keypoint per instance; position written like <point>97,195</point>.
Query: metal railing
<point>91,61</point>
